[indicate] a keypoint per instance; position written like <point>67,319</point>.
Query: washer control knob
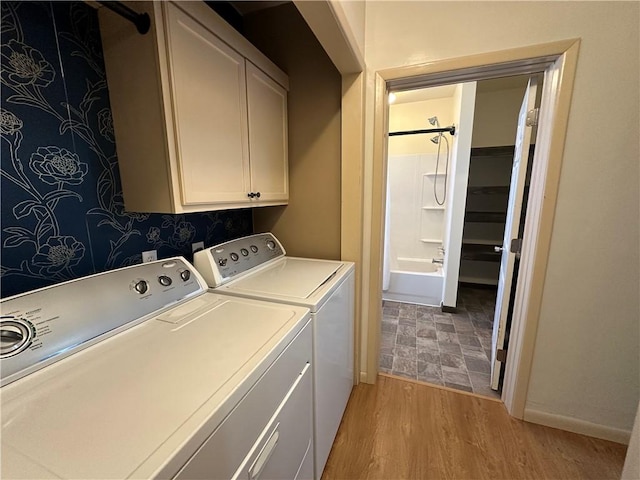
<point>271,245</point>
<point>15,336</point>
<point>222,261</point>
<point>141,286</point>
<point>164,280</point>
<point>254,249</point>
<point>185,275</point>
<point>244,252</point>
<point>234,256</point>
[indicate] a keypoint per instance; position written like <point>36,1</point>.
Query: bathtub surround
<point>62,213</point>
<point>414,229</point>
<point>453,350</point>
<point>426,187</point>
<point>415,281</point>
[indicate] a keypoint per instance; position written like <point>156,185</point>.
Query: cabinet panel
<point>267,112</point>
<point>209,102</point>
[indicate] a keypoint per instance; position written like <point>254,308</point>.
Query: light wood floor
<point>400,429</point>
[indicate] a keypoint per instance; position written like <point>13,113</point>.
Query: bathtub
<point>415,280</point>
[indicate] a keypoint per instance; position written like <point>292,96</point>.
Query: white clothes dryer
<point>257,267</point>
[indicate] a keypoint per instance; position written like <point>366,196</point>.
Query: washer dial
<point>141,286</point>
<point>15,336</point>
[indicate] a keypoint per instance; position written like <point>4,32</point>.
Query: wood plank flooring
<point>400,429</point>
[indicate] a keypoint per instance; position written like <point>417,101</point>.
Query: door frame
<point>558,62</point>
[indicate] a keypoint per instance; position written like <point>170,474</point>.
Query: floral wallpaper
<point>62,211</point>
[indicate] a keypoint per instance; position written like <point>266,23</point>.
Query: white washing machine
<point>141,373</point>
<point>257,267</point>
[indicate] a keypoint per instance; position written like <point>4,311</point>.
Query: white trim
<point>331,27</point>
<point>576,425</point>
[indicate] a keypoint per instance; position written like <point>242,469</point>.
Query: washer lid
<point>296,278</point>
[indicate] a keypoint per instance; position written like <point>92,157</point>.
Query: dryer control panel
<point>221,263</point>
<point>43,326</point>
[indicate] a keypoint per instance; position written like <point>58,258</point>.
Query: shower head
<point>434,121</point>
<point>436,139</point>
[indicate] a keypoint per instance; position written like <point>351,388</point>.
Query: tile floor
<point>454,350</point>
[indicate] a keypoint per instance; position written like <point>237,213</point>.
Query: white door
<point>210,108</point>
<point>267,111</point>
<point>516,192</point>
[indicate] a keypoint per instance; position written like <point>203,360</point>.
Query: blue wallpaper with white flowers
<point>62,211</point>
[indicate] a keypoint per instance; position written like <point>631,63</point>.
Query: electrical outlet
<point>149,256</point>
<point>197,246</point>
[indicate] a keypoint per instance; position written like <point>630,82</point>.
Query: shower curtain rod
<point>140,20</point>
<point>451,130</point>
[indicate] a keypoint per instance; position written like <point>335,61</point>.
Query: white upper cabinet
<point>210,105</point>
<point>267,104</point>
<point>219,139</point>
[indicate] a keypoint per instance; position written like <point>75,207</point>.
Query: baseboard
<point>577,426</point>
<point>363,377</point>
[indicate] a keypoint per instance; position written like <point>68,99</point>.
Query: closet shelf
<point>481,256</point>
<point>481,241</point>
<point>485,217</point>
<point>480,253</point>
<point>480,280</point>
<point>491,190</point>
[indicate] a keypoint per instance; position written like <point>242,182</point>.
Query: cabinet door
<point>267,107</point>
<point>209,104</point>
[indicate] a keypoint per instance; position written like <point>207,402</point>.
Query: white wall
<point>586,363</point>
<point>464,106</point>
<point>314,139</point>
<point>414,116</point>
<point>496,119</point>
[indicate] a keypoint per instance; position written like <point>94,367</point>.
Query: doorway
<point>557,61</point>
<point>449,346</point>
